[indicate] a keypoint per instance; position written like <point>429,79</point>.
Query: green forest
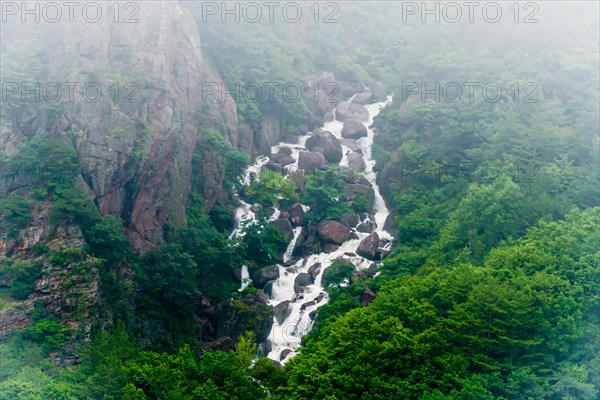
<point>491,289</point>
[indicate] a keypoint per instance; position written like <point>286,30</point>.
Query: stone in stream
<point>369,247</point>
<point>284,353</point>
<point>330,248</point>
<point>285,151</point>
<point>354,130</point>
<point>349,254</point>
<point>264,275</point>
<point>282,159</point>
<point>303,279</point>
<point>285,226</point>
<point>372,270</point>
<point>365,227</point>
<point>281,311</point>
<point>275,167</point>
<point>333,231</point>
<point>314,270</point>
<point>351,144</point>
<point>332,149</point>
<point>346,110</point>
<point>309,161</point>
<point>320,297</point>
<point>350,219</point>
<point>308,304</point>
<point>356,162</point>
<point>297,214</point>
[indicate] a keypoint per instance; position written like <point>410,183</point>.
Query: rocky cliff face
<point>136,142</point>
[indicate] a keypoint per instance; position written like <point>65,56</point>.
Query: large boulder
<point>310,161</point>
<point>346,111</point>
<point>303,279</point>
<point>264,275</point>
<point>285,226</point>
<point>354,130</point>
<point>297,214</point>
<point>332,149</point>
<point>350,219</point>
<point>366,297</point>
<point>281,311</point>
<point>369,247</point>
<point>282,159</point>
<point>356,162</point>
<point>333,231</point>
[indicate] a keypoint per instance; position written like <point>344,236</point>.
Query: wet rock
<point>372,270</point>
<point>354,236</point>
<point>275,167</point>
<point>276,363</point>
<point>284,215</point>
<point>310,245</point>
<point>332,149</point>
<point>333,231</point>
<point>345,111</point>
<point>320,297</point>
<point>263,275</point>
<point>308,304</point>
<point>285,226</point>
<point>303,279</point>
<point>351,144</point>
<point>369,247</point>
<point>349,254</point>
<point>286,151</point>
<point>310,161</point>
<point>297,214</point>
<point>314,270</point>
<point>365,227</point>
<point>354,130</point>
<point>330,247</point>
<point>284,353</point>
<point>312,315</point>
<point>282,159</point>
<point>281,311</point>
<point>356,162</point>
<point>291,262</point>
<point>350,219</point>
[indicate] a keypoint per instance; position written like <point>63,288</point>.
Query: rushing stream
<point>287,332</point>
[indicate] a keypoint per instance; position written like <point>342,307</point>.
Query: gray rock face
<point>365,227</point>
<point>264,275</point>
<point>310,161</point>
<point>362,98</point>
<point>354,130</point>
<point>284,353</point>
<point>332,150</point>
<point>369,247</point>
<point>281,311</point>
<point>356,162</point>
<point>333,231</point>
<point>303,279</point>
<point>350,219</point>
<point>136,147</point>
<point>345,111</point>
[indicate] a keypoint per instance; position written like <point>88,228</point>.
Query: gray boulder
<point>369,247</point>
<point>333,231</point>
<point>354,130</point>
<point>332,149</point>
<point>346,111</point>
<point>356,162</point>
<point>264,275</point>
<point>310,161</point>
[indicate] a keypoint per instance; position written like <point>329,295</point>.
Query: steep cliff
<point>135,142</point>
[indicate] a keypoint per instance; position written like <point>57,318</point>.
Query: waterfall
<point>287,332</point>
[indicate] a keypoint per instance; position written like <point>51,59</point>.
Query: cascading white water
<point>288,334</point>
